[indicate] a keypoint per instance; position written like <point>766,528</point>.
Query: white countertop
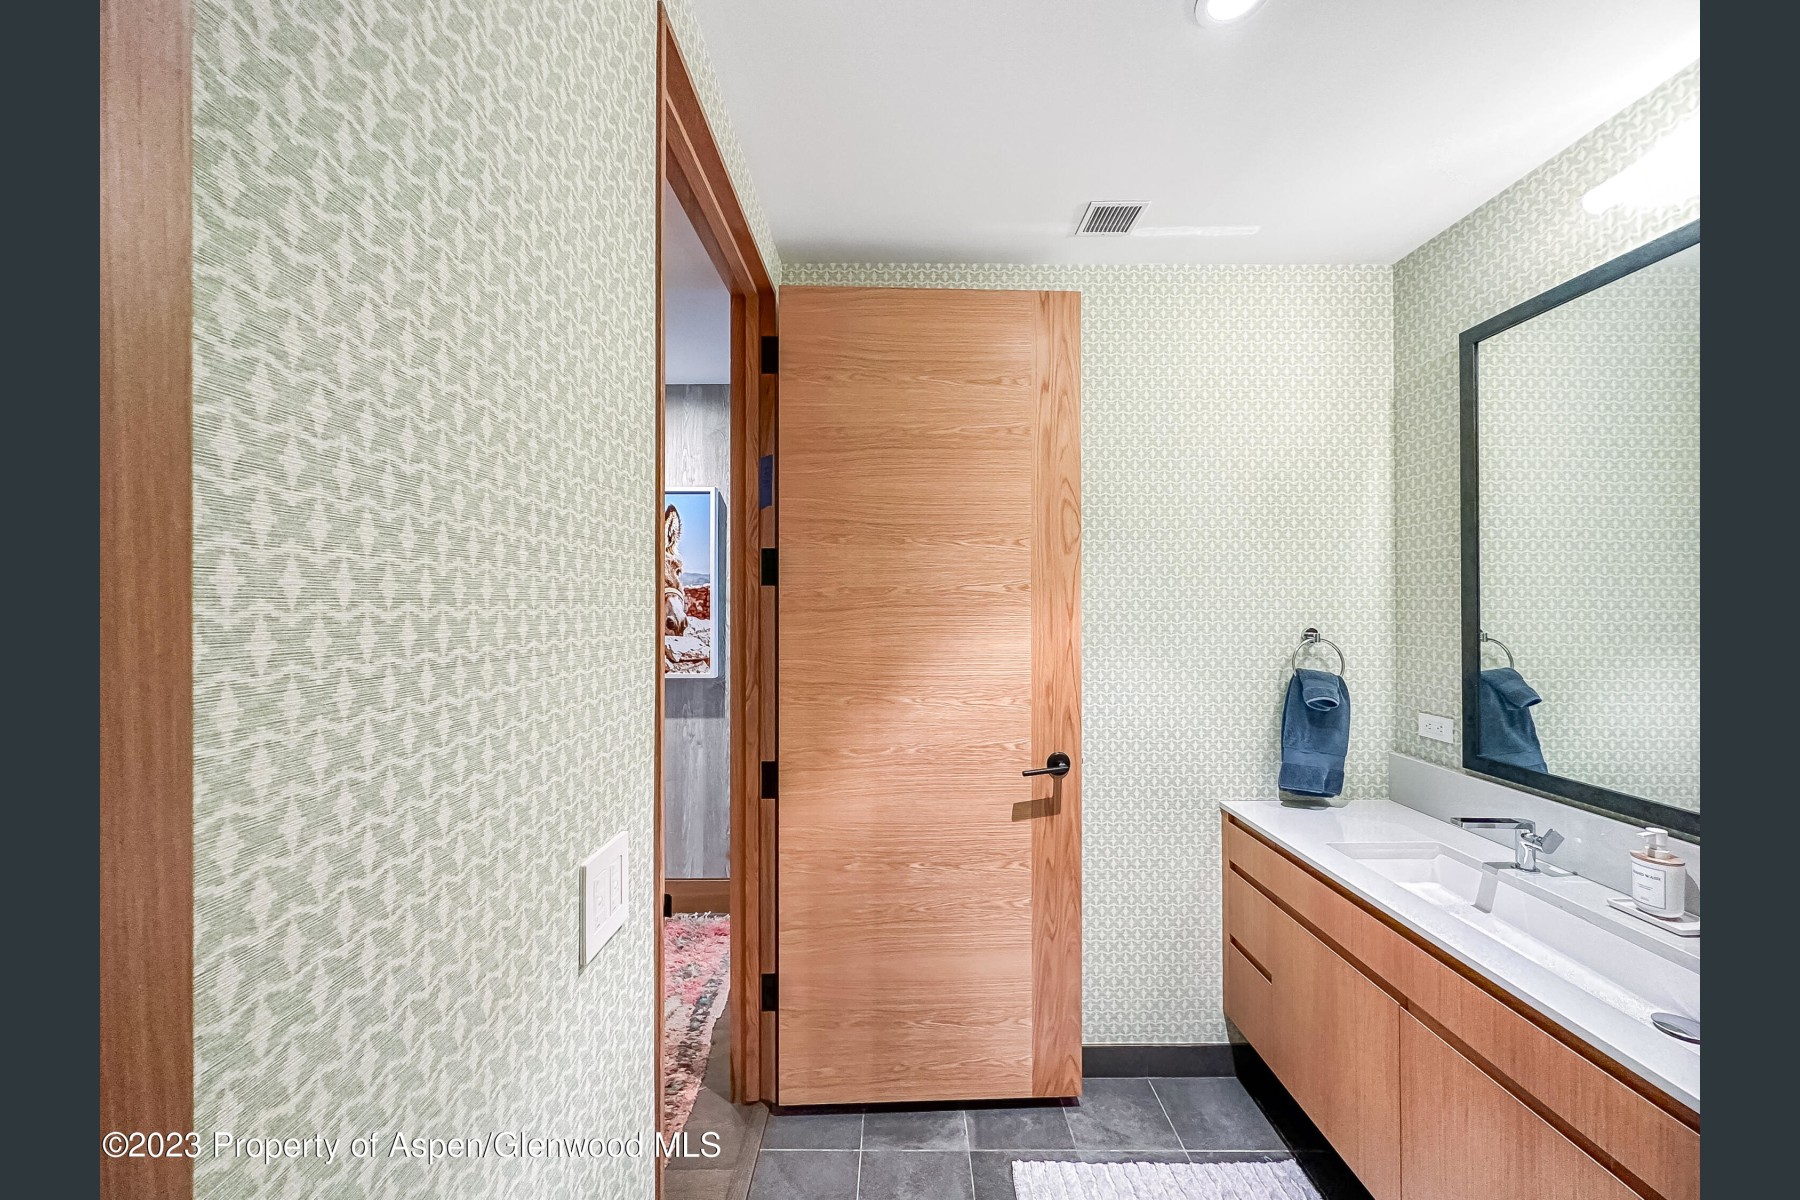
<point>1672,1065</point>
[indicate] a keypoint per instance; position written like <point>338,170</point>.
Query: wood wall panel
<point>698,895</point>
<point>697,436</point>
<point>696,762</point>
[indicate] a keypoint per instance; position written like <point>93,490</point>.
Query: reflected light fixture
<point>1219,12</point>
<point>1668,174</point>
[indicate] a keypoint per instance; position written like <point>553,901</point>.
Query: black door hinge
<point>768,780</point>
<point>771,355</point>
<point>768,566</point>
<point>668,905</point>
<point>768,996</point>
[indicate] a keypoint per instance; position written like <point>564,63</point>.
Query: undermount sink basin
<point>1560,923</point>
<point>1431,870</point>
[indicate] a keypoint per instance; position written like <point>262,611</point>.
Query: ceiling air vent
<point>1110,218</point>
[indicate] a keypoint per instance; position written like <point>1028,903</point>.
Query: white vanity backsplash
<point>1598,847</point>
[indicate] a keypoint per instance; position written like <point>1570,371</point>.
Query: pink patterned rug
<point>696,952</point>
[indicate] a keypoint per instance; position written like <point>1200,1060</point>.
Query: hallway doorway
<point>715,396</point>
<point>696,610</point>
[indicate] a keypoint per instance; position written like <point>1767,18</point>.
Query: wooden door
<point>1468,1138</point>
<point>929,895</point>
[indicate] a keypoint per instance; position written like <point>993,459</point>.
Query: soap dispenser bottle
<point>1658,877</point>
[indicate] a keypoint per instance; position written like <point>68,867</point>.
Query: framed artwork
<point>693,583</point>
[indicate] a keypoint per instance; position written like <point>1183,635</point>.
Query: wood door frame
<point>689,162</point>
<point>1056,667</point>
<point>146,587</point>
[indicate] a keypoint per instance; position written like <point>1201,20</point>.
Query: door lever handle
<point>1057,764</point>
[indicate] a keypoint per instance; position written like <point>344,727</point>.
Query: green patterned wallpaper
<point>1530,237</point>
<point>1235,489</point>
<point>424,521</point>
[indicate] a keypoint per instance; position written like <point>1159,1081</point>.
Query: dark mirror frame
<point>1588,795</point>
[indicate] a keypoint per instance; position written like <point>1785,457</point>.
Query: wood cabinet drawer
<point>1338,1039</point>
<point>1467,1138</point>
<point>1621,1122</point>
<point>1250,1003</point>
<point>1250,919</point>
<point>1641,1138</point>
<point>1330,1035</point>
<point>1249,996</point>
<point>1359,934</point>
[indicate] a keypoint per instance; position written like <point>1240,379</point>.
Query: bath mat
<point>1162,1181</point>
<point>696,953</point>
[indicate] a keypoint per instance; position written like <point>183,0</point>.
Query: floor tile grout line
<point>1179,1140</point>
<point>1180,1146</point>
<point>969,1151</point>
<point>862,1131</point>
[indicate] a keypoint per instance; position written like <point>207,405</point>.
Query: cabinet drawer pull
<point>1251,959</point>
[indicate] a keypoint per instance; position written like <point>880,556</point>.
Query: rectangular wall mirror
<point>1581,538</point>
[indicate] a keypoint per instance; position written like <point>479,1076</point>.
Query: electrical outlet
<point>1438,729</point>
<point>603,895</point>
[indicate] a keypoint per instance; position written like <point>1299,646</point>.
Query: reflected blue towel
<point>1315,734</point>
<point>1508,734</point>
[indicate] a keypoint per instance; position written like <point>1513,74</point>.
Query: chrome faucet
<point>1527,842</point>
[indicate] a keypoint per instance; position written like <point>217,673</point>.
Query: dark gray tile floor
<point>736,1128</point>
<point>967,1154</point>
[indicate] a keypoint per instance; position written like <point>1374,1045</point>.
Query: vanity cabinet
<point>1431,1083</point>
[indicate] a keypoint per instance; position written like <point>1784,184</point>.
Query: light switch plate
<point>603,895</point>
<point>1438,729</point>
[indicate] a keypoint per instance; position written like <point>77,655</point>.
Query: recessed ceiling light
<point>1196,231</point>
<point>1221,11</point>
<point>1668,174</point>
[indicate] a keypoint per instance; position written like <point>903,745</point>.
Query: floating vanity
<point>1457,1031</point>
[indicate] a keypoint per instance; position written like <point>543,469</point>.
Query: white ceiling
<point>976,130</point>
<point>696,306</point>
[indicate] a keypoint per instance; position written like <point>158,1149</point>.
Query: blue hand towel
<point>1508,734</point>
<point>1315,734</point>
<point>1320,690</point>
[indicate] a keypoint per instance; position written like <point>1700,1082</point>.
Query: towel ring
<point>1496,641</point>
<point>1311,638</point>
